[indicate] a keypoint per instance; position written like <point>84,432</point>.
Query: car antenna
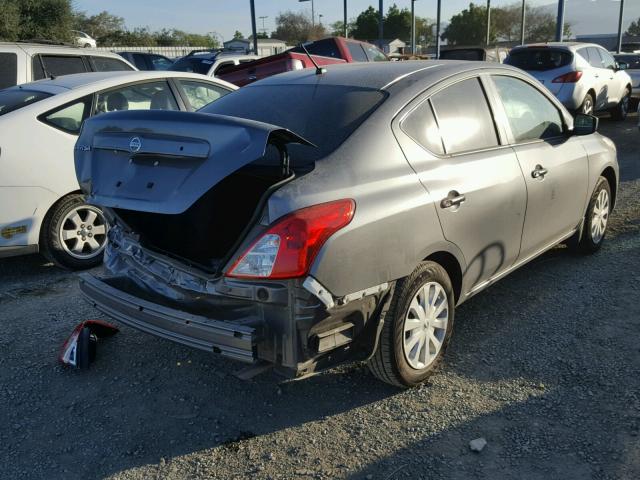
<point>319,70</point>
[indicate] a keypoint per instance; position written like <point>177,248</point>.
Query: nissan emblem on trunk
<point>135,144</point>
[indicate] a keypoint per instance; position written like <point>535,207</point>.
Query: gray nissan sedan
<point>314,218</point>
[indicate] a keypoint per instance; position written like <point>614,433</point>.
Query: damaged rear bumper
<point>230,339</point>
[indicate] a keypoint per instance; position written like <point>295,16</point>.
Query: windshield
<point>632,60</point>
<point>324,115</point>
<point>13,99</point>
<point>539,59</point>
<point>192,64</point>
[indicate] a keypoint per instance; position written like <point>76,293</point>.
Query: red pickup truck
<point>324,52</point>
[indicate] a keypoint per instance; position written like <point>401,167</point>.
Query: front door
<point>478,188</point>
<point>555,165</point>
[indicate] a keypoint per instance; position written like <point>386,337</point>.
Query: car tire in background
<point>620,111</point>
<point>73,234</point>
<point>588,105</point>
<point>417,327</point>
<point>595,220</point>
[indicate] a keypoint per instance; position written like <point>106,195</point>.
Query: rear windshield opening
<point>323,114</point>
<point>539,59</point>
<point>16,98</point>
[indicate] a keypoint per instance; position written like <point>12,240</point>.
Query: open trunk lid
<point>163,162</point>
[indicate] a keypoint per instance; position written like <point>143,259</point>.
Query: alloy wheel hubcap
<point>83,232</point>
<point>600,216</point>
<point>425,325</point>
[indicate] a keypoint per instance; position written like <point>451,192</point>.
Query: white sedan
<point>41,208</point>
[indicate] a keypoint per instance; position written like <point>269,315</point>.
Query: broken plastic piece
<point>80,348</point>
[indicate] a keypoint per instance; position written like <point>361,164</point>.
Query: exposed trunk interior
<point>206,233</point>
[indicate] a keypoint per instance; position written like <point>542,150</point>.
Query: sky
<point>226,16</point>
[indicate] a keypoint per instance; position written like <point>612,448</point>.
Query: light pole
<point>320,18</point>
<point>620,21</point>
<point>438,21</point>
<point>264,30</point>
<point>413,27</point>
<point>522,21</point>
<point>560,21</point>
<point>488,21</point>
<point>380,27</point>
<point>345,19</point>
<point>313,13</point>
<point>253,26</point>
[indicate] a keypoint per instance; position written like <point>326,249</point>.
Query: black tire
<point>587,243</point>
<point>620,111</point>
<point>388,362</point>
<point>51,242</point>
<point>588,105</point>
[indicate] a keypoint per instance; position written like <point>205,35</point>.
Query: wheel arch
<point>452,266</point>
<point>610,175</point>
<point>51,209</point>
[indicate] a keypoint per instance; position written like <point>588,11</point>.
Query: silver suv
<point>584,76</point>
<point>309,219</point>
<point>26,62</point>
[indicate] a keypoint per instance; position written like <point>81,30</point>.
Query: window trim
<point>58,55</point>
<point>505,119</point>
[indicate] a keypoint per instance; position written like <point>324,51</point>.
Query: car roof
<point>35,48</point>
<point>381,75</point>
<point>99,80</point>
<point>563,45</point>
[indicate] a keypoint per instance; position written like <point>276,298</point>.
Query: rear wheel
<point>417,327</point>
<point>595,220</point>
<point>620,111</point>
<point>588,105</point>
<point>74,234</point>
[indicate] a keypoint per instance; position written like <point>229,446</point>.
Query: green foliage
<point>397,24</point>
<point>469,26</point>
<point>36,19</point>
<point>634,28</point>
<point>294,28</point>
<point>100,26</point>
<point>238,35</point>
<point>366,25</point>
<point>10,20</point>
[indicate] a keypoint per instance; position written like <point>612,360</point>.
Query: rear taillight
<point>571,77</point>
<point>287,249</point>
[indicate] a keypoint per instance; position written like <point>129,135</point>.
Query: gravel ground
<point>545,366</point>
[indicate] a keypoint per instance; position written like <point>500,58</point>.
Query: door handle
<point>454,199</point>
<point>539,172</point>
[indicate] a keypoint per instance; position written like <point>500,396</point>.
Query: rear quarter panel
<point>602,154</point>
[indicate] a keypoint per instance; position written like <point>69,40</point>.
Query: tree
<point>366,25</point>
<point>468,27</point>
<point>10,21</point>
<point>238,35</point>
<point>397,23</point>
<point>295,28</point>
<point>99,26</point>
<point>634,28</point>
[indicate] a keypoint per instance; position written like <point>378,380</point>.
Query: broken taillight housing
<point>571,77</point>
<point>287,249</point>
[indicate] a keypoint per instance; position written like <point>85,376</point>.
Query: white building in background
<point>266,46</point>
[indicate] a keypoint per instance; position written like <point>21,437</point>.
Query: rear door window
<point>422,127</point>
<point>58,65</point>
<point>531,115</point>
<point>13,99</point>
<point>201,94</point>
<point>607,59</point>
<point>595,60</point>
<point>141,96</point>
<point>356,51</point>
<point>464,117</point>
<point>70,116</point>
<point>108,64</point>
<point>8,70</point>
<point>539,59</point>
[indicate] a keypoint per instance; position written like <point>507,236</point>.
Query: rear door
<point>555,165</point>
<point>451,141</point>
<point>603,77</point>
<point>617,78</point>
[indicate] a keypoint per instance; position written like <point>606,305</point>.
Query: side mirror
<point>585,124</point>
<point>622,65</point>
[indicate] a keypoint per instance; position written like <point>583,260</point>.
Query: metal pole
<point>313,15</point>
<point>522,21</point>
<point>413,26</point>
<point>560,21</point>
<point>253,27</point>
<point>620,21</point>
<point>488,21</point>
<point>438,19</point>
<point>380,27</point>
<point>345,19</point>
